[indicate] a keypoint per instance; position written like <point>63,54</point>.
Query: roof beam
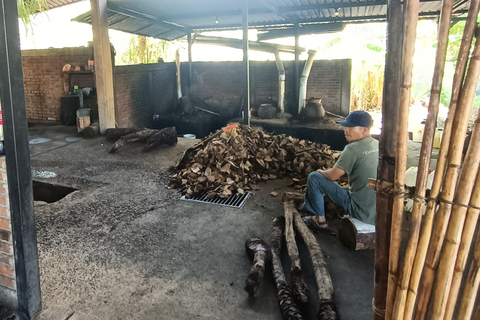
<point>307,29</point>
<point>254,45</point>
<point>133,14</point>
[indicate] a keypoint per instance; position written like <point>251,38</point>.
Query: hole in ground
<point>49,192</point>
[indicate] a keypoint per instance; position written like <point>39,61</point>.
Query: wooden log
<point>460,123</point>
<point>113,134</point>
<point>82,123</point>
<point>284,293</point>
<point>401,152</point>
<point>328,309</point>
<point>132,137</point>
<point>91,131</point>
<point>259,252</point>
<point>352,239</point>
<point>427,224</point>
<point>166,136</point>
<point>297,281</point>
<point>424,161</point>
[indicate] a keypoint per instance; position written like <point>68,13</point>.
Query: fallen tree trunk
<point>259,252</point>
<point>91,131</point>
<point>113,134</point>
<point>284,293</point>
<point>164,136</point>
<point>132,137</point>
<point>328,309</point>
<point>297,281</point>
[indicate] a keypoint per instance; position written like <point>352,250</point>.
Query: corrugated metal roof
<point>58,3</point>
<point>169,20</point>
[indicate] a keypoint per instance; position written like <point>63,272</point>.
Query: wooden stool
<point>354,239</point>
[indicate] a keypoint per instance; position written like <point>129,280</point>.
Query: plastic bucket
<point>84,112</point>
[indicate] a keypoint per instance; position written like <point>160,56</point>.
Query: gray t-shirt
<point>359,160</point>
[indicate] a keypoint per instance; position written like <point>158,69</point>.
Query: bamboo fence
<point>424,161</point>
<point>428,282</point>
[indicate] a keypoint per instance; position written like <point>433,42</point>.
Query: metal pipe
<point>246,107</point>
<point>281,82</point>
<point>302,94</point>
<point>190,76</point>
<point>179,83</point>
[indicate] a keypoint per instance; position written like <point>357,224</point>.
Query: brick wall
<point>43,79</point>
<point>222,83</point>
<point>143,90</point>
<point>7,263</point>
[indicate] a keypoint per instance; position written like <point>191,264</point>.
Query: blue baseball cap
<point>357,119</point>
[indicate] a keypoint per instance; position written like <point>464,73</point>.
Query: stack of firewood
<point>239,158</point>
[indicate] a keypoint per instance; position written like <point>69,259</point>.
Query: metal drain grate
<point>233,201</point>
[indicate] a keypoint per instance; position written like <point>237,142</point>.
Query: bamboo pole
<point>388,142</point>
<point>471,287</point>
<point>457,140</point>
<point>427,224</point>
<point>328,309</point>
<point>457,221</point>
<point>297,281</point>
<point>465,244</point>
<point>424,161</point>
<point>401,154</point>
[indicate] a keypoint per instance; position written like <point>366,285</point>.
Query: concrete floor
<point>124,247</point>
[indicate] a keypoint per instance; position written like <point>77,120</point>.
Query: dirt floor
<point>123,246</point>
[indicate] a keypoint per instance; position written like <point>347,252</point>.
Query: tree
<point>27,8</point>
<point>144,50</point>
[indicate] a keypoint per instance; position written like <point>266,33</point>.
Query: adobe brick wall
<point>7,261</point>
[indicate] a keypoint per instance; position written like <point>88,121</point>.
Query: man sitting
<point>359,160</point>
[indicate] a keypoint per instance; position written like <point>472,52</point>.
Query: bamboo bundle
<point>460,122</point>
<point>424,161</point>
<point>428,218</point>
<point>456,224</point>
<point>328,309</point>
<point>465,244</point>
<point>401,154</point>
<point>471,287</point>
<point>288,307</point>
<point>297,281</point>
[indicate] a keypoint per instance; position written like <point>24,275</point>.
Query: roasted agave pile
<point>238,159</point>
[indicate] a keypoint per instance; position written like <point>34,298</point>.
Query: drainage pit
<point>49,192</point>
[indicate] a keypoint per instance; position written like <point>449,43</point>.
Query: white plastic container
<point>418,132</point>
<point>411,177</point>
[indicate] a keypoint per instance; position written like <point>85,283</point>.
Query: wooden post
<point>388,142</point>
<point>103,65</point>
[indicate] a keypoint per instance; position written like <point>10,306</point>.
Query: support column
<point>19,275</point>
<point>246,65</point>
<point>103,65</point>
<point>388,142</point>
<point>190,73</point>
<point>297,66</point>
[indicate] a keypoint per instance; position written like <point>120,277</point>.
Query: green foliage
<point>455,39</point>
<point>368,88</point>
<point>375,48</point>
<point>144,50</point>
<point>27,8</point>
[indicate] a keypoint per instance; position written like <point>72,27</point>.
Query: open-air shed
<point>171,20</point>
